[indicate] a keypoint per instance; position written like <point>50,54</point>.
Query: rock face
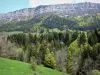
<point>69,9</point>
<point>17,15</point>
<point>64,9</point>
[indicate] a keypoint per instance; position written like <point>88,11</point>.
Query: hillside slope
<point>12,67</point>
<point>89,22</point>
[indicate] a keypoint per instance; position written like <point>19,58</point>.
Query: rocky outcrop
<point>63,9</point>
<point>17,15</point>
<point>69,9</point>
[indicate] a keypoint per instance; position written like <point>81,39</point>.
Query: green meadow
<point>12,67</point>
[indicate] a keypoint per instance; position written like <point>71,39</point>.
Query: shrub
<point>49,60</point>
<point>33,63</point>
<point>34,66</point>
<point>94,72</point>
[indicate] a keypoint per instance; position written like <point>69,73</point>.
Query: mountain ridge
<point>85,8</point>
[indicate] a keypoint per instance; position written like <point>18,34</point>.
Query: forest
<point>70,51</point>
<point>50,21</point>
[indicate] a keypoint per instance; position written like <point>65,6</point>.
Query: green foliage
<point>83,24</point>
<point>81,39</point>
<point>77,49</point>
<point>74,36</point>
<point>34,66</point>
<point>92,38</point>
<point>42,23</point>
<point>49,59</point>
<point>20,38</point>
<point>19,55</point>
<point>73,49</point>
<point>55,21</point>
<point>94,72</point>
<point>33,63</point>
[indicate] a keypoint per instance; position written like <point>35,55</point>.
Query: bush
<point>94,72</point>
<point>34,66</point>
<point>49,60</point>
<point>33,63</point>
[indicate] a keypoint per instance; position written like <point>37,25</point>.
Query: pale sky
<point>35,3</point>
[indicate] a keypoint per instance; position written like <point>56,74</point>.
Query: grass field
<point>12,67</point>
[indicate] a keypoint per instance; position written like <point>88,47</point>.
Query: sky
<point>12,5</point>
<point>34,3</point>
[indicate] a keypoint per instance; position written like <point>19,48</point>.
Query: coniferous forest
<point>71,51</point>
